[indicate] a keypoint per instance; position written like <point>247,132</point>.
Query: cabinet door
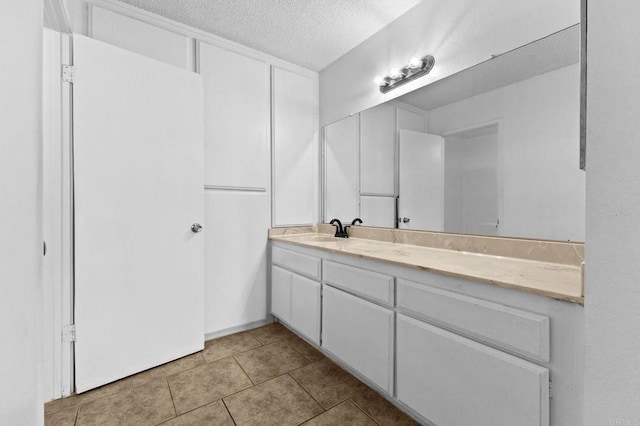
<point>378,210</point>
<point>236,262</point>
<point>140,37</point>
<point>237,118</point>
<point>281,293</point>
<point>453,381</point>
<point>360,333</point>
<point>342,183</point>
<point>377,150</point>
<point>305,307</point>
<point>295,148</point>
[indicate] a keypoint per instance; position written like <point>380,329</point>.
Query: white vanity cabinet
<point>447,350</point>
<point>295,299</point>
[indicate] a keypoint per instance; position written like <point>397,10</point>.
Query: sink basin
<point>312,238</point>
<point>324,239</point>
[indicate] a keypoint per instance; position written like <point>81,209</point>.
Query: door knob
<point>196,227</point>
<point>405,220</point>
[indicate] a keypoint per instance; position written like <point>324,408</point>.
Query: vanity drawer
<point>297,262</point>
<point>513,329</point>
<point>375,286</point>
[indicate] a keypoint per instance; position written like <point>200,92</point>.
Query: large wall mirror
<point>492,150</point>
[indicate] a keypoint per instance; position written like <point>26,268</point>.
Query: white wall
<point>20,211</point>
<point>459,33</point>
<point>543,188</point>
<point>612,293</point>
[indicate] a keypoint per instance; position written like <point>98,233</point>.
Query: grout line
<point>166,375</point>
<point>229,412</point>
<point>305,366</point>
<point>363,410</point>
<point>75,419</point>
<point>307,392</point>
<point>233,354</point>
<point>210,402</point>
<point>166,379</point>
<point>347,398</point>
<point>243,370</point>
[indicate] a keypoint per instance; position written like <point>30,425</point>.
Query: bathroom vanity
<point>453,337</point>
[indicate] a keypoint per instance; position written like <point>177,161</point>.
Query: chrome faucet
<point>340,231</point>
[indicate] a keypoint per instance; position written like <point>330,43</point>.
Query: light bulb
<point>379,80</point>
<point>395,73</point>
<point>415,62</point>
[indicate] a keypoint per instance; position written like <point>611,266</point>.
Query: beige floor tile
<point>106,390</point>
<point>207,383</point>
<point>280,401</point>
<point>92,395</point>
<point>60,404</point>
<point>229,345</point>
<point>270,333</point>
<point>381,410</point>
<point>148,404</point>
<point>328,383</point>
<point>342,414</point>
<point>267,362</point>
<point>64,417</point>
<point>309,352</point>
<point>168,369</point>
<point>214,414</point>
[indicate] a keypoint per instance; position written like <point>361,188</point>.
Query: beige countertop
<point>557,280</point>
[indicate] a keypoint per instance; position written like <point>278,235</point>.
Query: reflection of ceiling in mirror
<point>550,53</point>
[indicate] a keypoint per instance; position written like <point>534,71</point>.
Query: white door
<point>138,182</point>
<point>421,187</point>
<point>480,201</point>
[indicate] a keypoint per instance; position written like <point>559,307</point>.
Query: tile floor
<point>265,376</point>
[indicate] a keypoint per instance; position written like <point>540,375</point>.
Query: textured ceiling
<point>309,33</point>
<point>547,54</point>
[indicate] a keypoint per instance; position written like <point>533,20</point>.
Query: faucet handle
<point>338,225</point>
<point>357,219</point>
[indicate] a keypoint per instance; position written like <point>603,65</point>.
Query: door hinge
<point>69,333</point>
<point>550,388</point>
<point>68,73</point>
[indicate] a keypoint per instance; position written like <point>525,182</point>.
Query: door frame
<point>57,181</point>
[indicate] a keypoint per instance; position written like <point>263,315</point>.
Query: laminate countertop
<point>556,280</point>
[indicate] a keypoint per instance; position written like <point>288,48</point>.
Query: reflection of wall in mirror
<point>543,190</point>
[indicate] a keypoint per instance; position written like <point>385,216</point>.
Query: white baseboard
<point>238,328</point>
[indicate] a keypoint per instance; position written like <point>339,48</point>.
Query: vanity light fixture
<point>417,67</point>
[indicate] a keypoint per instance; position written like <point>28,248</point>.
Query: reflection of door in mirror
<point>421,200</point>
<point>471,189</point>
